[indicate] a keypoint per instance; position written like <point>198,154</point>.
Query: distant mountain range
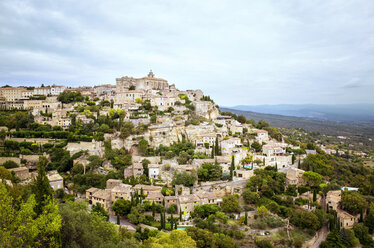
<point>351,113</point>
<point>362,126</point>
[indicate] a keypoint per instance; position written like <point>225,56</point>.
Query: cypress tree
<point>153,209</point>
<point>212,154</point>
<point>163,202</point>
<point>314,195</point>
<point>276,166</point>
<point>263,162</point>
<point>246,218</point>
<point>180,215</point>
<point>161,221</point>
<point>299,165</point>
<point>171,222</point>
<point>216,147</point>
<point>41,187</point>
<point>232,167</point>
<point>164,218</point>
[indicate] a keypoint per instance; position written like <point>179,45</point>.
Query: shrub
<point>9,164</point>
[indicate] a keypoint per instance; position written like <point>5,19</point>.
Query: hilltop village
<point>162,166</point>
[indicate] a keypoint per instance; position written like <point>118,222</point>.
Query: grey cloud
<point>239,52</point>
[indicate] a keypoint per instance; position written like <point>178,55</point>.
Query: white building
<point>153,171</point>
<point>57,89</point>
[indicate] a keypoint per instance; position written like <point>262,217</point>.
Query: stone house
<point>21,172</point>
<point>147,188</point>
<point>262,135</point>
<point>244,174</point>
<point>55,180</point>
<point>153,171</point>
<point>121,191</point>
<point>333,199</point>
<point>111,183</point>
<point>294,176</point>
<point>102,196</point>
<point>347,220</point>
<point>90,192</point>
<point>170,200</point>
<point>207,197</point>
<point>187,204</point>
<point>228,144</point>
<point>273,150</point>
<point>134,170</point>
<point>33,104</point>
<point>155,196</point>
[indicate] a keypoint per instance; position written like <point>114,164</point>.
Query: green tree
<point>353,202</point>
<point>127,129</point>
<point>348,238</point>
<point>205,210</point>
<point>369,221</point>
<point>142,146</point>
<point>9,164</point>
<point>121,207</point>
<point>176,238</point>
<point>41,187</point>
<point>80,228</point>
<point>21,226</point>
<point>224,241</point>
<point>305,219</point>
<point>230,204</point>
<point>256,146</point>
<point>232,167</point>
<point>209,172</point>
<point>202,237</point>
<point>136,215</point>
<point>362,233</point>
<point>242,119</point>
<point>98,209</point>
<point>312,178</point>
<point>250,197</point>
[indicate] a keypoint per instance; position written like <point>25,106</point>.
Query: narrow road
<point>123,221</point>
<point>322,237</point>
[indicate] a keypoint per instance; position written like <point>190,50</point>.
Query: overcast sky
<point>238,52</point>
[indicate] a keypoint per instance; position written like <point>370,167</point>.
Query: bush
<point>9,164</point>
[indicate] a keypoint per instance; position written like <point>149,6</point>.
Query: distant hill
<point>352,113</point>
<point>363,128</point>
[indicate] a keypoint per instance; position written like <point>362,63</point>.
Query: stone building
<point>55,180</point>
<point>145,83</point>
<point>90,192</point>
<point>102,196</point>
<point>134,170</point>
<point>333,199</point>
<point>21,172</point>
<point>121,191</point>
<point>111,183</point>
